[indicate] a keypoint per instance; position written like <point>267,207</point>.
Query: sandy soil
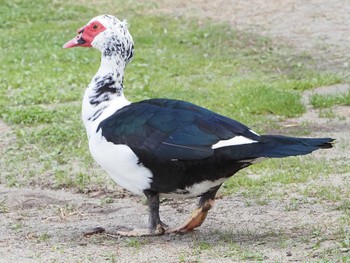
<point>46,226</point>
<point>39,225</point>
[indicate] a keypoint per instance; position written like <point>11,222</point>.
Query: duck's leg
<point>199,214</point>
<point>154,223</point>
<point>155,226</point>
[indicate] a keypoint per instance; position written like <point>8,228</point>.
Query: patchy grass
<point>261,180</point>
<point>326,101</point>
<point>134,243</point>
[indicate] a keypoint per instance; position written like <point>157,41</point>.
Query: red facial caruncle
<point>86,35</point>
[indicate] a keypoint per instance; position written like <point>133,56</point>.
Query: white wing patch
<point>237,140</point>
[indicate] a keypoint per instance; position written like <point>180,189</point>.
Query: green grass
<point>326,101</point>
<point>240,75</point>
<point>134,243</point>
<point>276,172</point>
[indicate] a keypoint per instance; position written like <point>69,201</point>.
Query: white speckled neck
<point>104,95</point>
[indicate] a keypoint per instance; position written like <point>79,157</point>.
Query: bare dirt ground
<point>39,225</point>
<point>316,26</point>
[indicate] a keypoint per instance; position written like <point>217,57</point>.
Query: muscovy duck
<point>165,147</point>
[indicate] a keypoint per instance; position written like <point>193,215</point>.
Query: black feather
<point>171,129</point>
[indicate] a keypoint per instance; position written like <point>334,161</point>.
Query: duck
<point>165,148</point>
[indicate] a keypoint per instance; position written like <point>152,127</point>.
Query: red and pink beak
<point>77,41</point>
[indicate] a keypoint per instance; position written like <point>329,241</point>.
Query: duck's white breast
<point>121,163</point>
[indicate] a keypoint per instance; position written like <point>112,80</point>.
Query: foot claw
<point>160,230</point>
<point>94,231</point>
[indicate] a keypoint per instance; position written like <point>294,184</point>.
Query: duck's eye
<point>94,27</point>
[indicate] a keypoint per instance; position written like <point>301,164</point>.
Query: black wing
<point>171,129</point>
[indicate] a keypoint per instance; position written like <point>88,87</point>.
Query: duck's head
<point>107,34</point>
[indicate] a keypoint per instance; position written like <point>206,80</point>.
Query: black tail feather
<point>275,146</point>
<point>282,146</point>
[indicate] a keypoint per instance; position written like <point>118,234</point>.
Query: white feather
<point>194,190</point>
<point>237,140</point>
<point>254,132</point>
